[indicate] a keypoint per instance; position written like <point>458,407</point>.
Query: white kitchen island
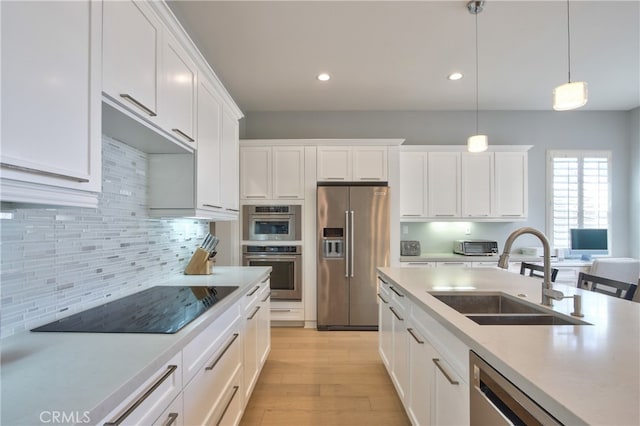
<point>78,378</point>
<point>580,374</point>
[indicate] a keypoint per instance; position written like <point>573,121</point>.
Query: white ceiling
<point>395,55</point>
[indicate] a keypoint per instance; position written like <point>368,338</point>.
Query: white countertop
<point>80,372</point>
<point>588,374</point>
<point>453,257</point>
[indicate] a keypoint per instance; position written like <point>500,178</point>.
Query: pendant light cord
<point>568,42</point>
<point>477,79</point>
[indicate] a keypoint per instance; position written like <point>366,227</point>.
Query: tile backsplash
<point>56,261</point>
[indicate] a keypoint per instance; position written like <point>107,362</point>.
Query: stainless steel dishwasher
<point>496,401</point>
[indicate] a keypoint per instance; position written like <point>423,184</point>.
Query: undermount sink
<point>502,309</point>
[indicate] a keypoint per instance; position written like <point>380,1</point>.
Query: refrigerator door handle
<point>352,232</point>
<point>346,244</point>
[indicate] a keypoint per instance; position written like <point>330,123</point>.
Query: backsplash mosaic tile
<point>55,261</point>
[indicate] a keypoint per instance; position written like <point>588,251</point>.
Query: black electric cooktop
<point>160,309</point>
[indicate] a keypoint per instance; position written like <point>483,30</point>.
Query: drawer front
<point>173,415</point>
<point>151,399</point>
<point>207,391</point>
<point>229,411</point>
<point>208,342</point>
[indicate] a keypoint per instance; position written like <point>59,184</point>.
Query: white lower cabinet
<point>152,398</point>
<point>428,365</point>
<point>257,327</point>
<point>385,326</point>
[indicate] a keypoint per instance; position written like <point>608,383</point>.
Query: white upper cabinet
<point>413,188</point>
<point>443,174</point>
<point>177,90</point>
<point>229,162</point>
<point>288,172</point>
<point>208,156</point>
<point>477,184</point>
<point>272,172</point>
<point>448,183</point>
<point>131,42</point>
<point>51,128</point>
<point>511,177</point>
<point>352,163</point>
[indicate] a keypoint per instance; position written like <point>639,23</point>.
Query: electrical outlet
<point>405,229</point>
<point>467,230</point>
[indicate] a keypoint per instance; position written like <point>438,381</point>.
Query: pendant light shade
<point>477,142</point>
<point>570,95</point>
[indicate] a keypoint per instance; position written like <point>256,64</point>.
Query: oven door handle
<point>270,257</point>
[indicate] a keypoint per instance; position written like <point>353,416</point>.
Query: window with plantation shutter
<point>579,192</point>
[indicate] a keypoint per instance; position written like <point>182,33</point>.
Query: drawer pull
<point>226,407</point>
<point>139,104</point>
<point>171,419</point>
<point>381,298</point>
<point>143,397</point>
<point>224,351</point>
<point>266,297</point>
<point>396,291</point>
<point>255,196</point>
<point>415,336</point>
<point>265,280</point>
<point>253,314</point>
<point>396,314</point>
<point>183,134</point>
<point>212,205</point>
<point>280,310</point>
<point>436,361</point>
<point>253,291</point>
<point>383,281</point>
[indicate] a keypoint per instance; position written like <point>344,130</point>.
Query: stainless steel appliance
<point>159,309</point>
<point>409,248</point>
<point>353,239</point>
<point>495,401</point>
<point>271,223</point>
<point>475,247</point>
<point>286,265</point>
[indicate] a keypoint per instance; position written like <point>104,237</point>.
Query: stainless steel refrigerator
<point>353,239</point>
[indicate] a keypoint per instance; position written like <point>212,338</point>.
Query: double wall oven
<point>266,231</point>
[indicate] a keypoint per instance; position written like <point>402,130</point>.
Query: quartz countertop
<point>586,374</point>
<point>93,372</point>
<point>453,257</point>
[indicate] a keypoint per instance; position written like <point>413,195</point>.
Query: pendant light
<point>477,142</point>
<point>570,95</point>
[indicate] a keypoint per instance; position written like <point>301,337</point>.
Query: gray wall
<point>634,177</point>
<point>542,129</point>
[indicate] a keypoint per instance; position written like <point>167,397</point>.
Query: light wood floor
<point>324,378</point>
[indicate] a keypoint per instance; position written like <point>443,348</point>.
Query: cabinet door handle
<point>233,210</point>
<point>334,178</point>
<point>253,291</point>
<point>436,361</point>
<point>445,215</point>
<point>226,407</point>
<point>144,396</point>
<point>410,215</point>
<point>395,313</point>
<point>171,419</point>
<point>265,280</point>
<point>396,291</point>
<point>139,104</point>
<point>280,310</point>
<point>224,351</point>
<point>287,196</point>
<point>253,314</point>
<point>415,336</point>
<point>383,281</point>
<point>381,298</point>
<point>255,196</point>
<point>266,297</point>
<point>511,215</point>
<point>183,134</point>
<point>211,205</point>
<point>369,178</point>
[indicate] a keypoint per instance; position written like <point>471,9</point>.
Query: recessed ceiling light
<point>454,76</point>
<point>324,77</point>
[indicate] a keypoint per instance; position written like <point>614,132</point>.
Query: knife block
<point>199,263</point>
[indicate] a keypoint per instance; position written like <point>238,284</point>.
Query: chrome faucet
<point>548,293</point>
